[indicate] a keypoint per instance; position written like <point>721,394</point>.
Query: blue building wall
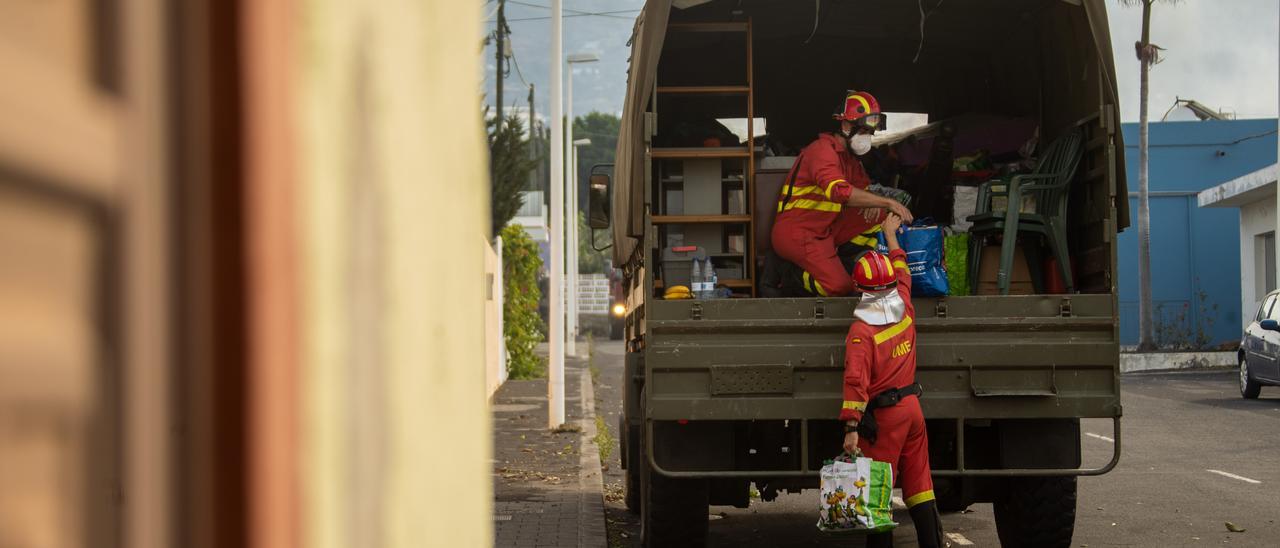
<point>1195,252</point>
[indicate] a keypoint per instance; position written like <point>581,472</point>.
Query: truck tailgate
<point>1035,356</point>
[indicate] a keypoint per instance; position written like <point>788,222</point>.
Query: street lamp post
<point>571,217</point>
<point>555,304</point>
<point>573,174</point>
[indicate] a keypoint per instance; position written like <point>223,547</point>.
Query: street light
<point>571,208</point>
<point>573,254</point>
<point>555,301</point>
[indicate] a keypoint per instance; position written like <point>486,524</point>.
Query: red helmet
<point>873,272</point>
<point>862,109</point>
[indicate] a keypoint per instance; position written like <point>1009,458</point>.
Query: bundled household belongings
<point>956,259</point>
<point>923,244</point>
<point>856,495</point>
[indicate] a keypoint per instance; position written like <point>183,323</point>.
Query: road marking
<point>1103,438</point>
<point>959,539</point>
<point>1233,476</point>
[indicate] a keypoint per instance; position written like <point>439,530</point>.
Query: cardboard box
<point>1019,279</point>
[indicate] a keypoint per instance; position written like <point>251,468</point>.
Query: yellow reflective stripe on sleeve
<point>799,190</point>
<point>818,205</point>
<point>857,406</point>
<point>865,241</point>
<point>918,498</point>
<point>827,191</point>
<point>892,331</point>
<point>900,264</point>
<point>872,230</point>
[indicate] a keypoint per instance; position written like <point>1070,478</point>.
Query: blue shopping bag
<point>922,241</point>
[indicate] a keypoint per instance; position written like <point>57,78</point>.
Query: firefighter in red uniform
<point>881,407</point>
<point>825,202</point>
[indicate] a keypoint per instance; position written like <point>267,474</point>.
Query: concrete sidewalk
<point>548,486</point>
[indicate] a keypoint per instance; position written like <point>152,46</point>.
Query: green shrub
<point>522,327</point>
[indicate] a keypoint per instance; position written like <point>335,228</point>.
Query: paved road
<point>1177,427</point>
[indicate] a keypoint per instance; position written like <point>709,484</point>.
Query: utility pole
<point>499,55</point>
<point>534,149</point>
<point>555,301</point>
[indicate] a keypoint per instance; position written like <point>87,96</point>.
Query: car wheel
<point>1249,388</point>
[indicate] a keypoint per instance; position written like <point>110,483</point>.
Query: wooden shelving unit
<point>699,219</point>
<point>700,152</point>
<point>705,90</point>
<point>684,171</point>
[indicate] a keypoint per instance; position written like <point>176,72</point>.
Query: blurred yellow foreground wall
<point>392,196</point>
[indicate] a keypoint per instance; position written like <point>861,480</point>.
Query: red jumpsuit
<point>814,222</point>
<point>883,357</point>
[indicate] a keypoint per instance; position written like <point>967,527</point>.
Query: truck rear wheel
<point>673,511</point>
<point>1037,512</point>
<point>631,456</point>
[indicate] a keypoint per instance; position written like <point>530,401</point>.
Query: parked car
<point>1259,354</point>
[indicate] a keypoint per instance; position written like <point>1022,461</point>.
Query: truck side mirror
<point>599,195</point>
<point>1270,325</point>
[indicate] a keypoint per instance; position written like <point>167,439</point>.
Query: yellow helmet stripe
<point>866,267</point>
<point>866,107</point>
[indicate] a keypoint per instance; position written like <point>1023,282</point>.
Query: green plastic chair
<point>1048,184</point>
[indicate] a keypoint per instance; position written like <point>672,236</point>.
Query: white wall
<point>1255,218</point>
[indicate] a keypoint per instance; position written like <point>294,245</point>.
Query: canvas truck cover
<point>1059,76</point>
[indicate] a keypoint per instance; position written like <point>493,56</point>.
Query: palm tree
<point>1148,54</point>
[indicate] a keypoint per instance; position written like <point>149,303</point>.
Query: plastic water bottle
<point>695,279</point>
<point>714,280</point>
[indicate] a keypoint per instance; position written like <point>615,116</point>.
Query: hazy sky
<point>1222,53</point>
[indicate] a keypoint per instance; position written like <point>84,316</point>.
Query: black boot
<point>928,524</point>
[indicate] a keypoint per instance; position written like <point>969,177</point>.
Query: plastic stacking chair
<point>1048,185</point>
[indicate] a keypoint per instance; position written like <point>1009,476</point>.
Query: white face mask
<point>881,307</point>
<point>860,143</point>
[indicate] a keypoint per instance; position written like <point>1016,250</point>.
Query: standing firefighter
<point>880,361</point>
<point>825,202</point>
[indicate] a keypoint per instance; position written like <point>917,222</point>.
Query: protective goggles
<point>873,121</point>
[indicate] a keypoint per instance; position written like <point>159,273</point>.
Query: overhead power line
<point>608,14</point>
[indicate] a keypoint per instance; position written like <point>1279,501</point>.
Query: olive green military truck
<point>723,393</point>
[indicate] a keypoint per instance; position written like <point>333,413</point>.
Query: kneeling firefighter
<point>881,407</point>
<point>825,204</point>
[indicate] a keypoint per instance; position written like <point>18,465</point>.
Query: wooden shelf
<point>700,152</point>
<point>704,90</point>
<point>731,284</point>
<point>708,27</point>
<point>699,219</point>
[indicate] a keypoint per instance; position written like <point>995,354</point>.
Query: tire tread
<point>1038,512</point>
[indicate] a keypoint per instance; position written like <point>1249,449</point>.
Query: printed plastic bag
<point>923,244</point>
<point>956,261</point>
<point>856,495</point>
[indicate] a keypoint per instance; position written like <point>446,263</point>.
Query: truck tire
<point>1037,512</point>
<point>673,512</point>
<point>630,452</point>
<point>633,489</point>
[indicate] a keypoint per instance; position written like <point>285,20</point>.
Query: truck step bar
<point>959,471</point>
